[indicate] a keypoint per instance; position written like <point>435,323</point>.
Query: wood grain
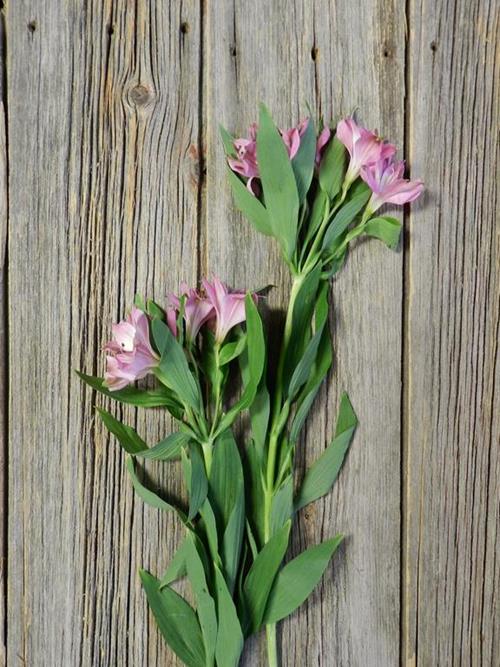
<point>111,123</point>
<point>452,400</point>
<point>287,57</point>
<point>3,349</point>
<point>103,136</point>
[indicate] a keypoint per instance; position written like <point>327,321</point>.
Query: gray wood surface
<point>116,185</point>
<point>451,371</point>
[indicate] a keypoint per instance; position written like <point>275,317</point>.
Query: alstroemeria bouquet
<point>314,192</point>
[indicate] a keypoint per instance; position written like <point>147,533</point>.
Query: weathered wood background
<point>112,182</point>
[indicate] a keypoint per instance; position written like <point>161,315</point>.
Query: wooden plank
<point>323,53</point>
<point>452,570</point>
<point>103,136</point>
<point>3,351</point>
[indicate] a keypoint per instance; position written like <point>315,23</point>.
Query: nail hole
<point>434,47</point>
<point>314,53</point>
<point>185,27</point>
<point>32,26</point>
<point>387,53</point>
<point>232,50</point>
<point>110,29</point>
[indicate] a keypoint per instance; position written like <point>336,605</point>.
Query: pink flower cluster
<point>215,304</point>
<point>370,157</point>
<point>245,163</point>
<point>130,354</point>
<point>373,160</point>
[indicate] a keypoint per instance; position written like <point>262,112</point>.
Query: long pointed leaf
<point>145,398</point>
<point>176,621</point>
<point>298,578</point>
<point>278,182</point>
<point>177,567</point>
<point>148,496</point>
<point>232,541</point>
<point>127,436</point>
<point>199,482</point>
<point>249,205</point>
<point>173,368</point>
<point>230,636</point>
<point>303,162</point>
<point>205,605</point>
<point>165,450</point>
<point>261,576</point>
<point>322,474</point>
<point>256,351</point>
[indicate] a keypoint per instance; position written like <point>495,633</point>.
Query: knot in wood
<point>140,95</point>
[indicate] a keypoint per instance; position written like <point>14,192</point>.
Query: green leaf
<point>177,566</point>
<point>148,496</point>
<point>252,470</point>
<point>173,365</point>
<point>301,321</point>
<point>282,505</point>
<point>251,540</point>
<point>146,398</point>
<point>303,162</point>
<point>322,474</point>
<point>347,417</point>
<point>305,366</point>
<point>259,417</point>
<point>321,367</point>
<point>278,182</point>
<point>139,302</point>
<point>226,477</point>
<point>333,168</point>
<point>343,219</point>
<point>176,621</point>
<point>167,449</point>
<point>198,483</point>
<point>256,352</point>
<point>154,310</point>
<point>249,205</point>
<point>335,266</point>
<point>227,141</point>
<point>318,212</point>
<point>210,527</point>
<point>296,581</point>
<point>230,636</point>
<point>384,228</point>
<point>205,605</point>
<point>232,541</point>
<point>232,350</point>
<point>261,576</point>
<point>128,437</point>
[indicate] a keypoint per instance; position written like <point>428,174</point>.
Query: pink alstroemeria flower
<point>229,307</point>
<point>246,164</point>
<point>323,139</point>
<point>197,310</point>
<point>365,147</point>
<point>388,186</point>
<point>291,138</point>
<point>130,356</point>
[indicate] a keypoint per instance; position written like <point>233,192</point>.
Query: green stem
<point>277,421</point>
<point>272,645</point>
<point>311,258</point>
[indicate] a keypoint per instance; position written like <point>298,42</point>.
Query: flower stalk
<point>315,193</point>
